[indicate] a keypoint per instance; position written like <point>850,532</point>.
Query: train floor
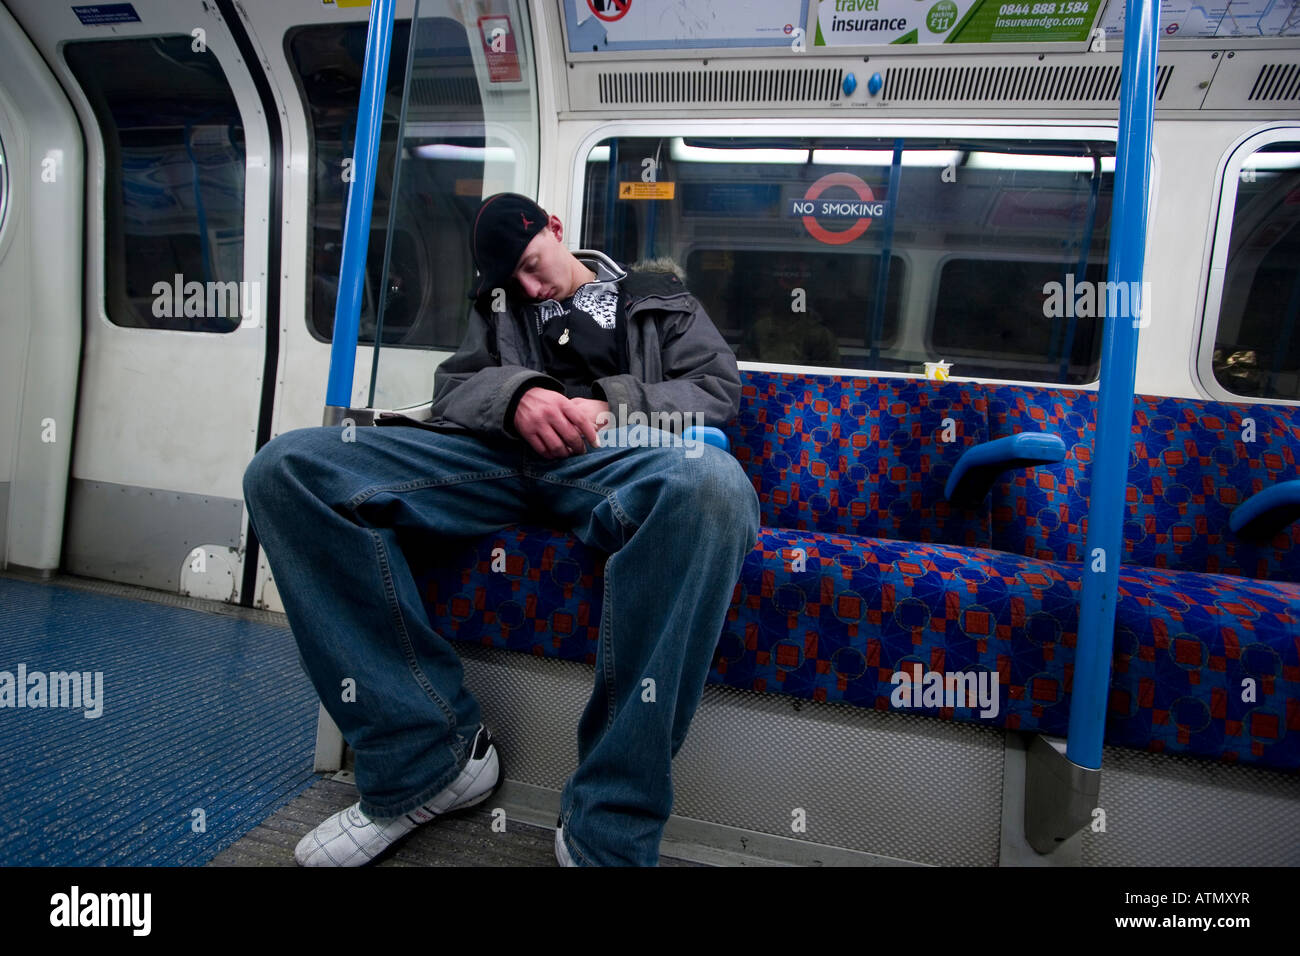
<point>187,724</point>
<point>185,739</point>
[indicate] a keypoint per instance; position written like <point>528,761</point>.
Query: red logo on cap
<point>527,222</point>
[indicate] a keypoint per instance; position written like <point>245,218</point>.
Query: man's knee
<point>274,460</point>
<point>715,486</point>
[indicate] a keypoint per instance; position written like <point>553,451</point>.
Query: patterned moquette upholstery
<point>1043,512</point>
<point>862,570</point>
<point>832,617</point>
<point>859,456</point>
<point>1190,464</point>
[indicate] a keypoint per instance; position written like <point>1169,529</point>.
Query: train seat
<point>864,570</point>
<point>1191,465</point>
<point>862,456</point>
<point>862,610</point>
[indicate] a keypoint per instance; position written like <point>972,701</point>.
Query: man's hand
<point>591,410</point>
<point>556,426</point>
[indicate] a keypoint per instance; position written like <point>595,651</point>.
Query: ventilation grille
<point>655,87</point>
<point>444,91</point>
<point>1276,81</point>
<point>1057,84</point>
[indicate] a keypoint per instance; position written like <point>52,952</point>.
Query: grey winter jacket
<point>679,362</point>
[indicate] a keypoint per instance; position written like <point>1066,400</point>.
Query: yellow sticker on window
<point>635,190</point>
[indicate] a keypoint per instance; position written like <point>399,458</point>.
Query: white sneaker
<point>351,838</point>
<point>561,851</point>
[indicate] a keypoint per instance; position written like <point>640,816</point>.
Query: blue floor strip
<point>198,712</point>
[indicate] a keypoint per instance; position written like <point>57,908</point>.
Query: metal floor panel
<point>465,839</point>
<point>1179,811</point>
<point>201,711</point>
<point>896,786</point>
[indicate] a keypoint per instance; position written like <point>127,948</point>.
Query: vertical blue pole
<point>361,194</point>
<point>1080,273</point>
<point>886,252</point>
<point>1104,549</point>
<point>611,199</point>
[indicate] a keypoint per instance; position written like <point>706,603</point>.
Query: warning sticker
<point>499,49</point>
<point>636,190</point>
<point>98,14</point>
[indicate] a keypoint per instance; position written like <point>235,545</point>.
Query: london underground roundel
<point>813,209</point>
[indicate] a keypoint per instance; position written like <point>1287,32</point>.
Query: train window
<point>1257,335</point>
<point>804,254</point>
<point>989,321</point>
<point>449,153</point>
<point>173,185</point>
<point>800,310</point>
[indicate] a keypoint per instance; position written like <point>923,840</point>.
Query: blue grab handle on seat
<point>1267,512</point>
<point>979,466</point>
<point>707,434</point>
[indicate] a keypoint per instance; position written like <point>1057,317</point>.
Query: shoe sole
<point>559,842</point>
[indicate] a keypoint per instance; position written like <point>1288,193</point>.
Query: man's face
<point>544,271</point>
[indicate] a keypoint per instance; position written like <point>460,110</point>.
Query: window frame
<point>1009,130</point>
<point>257,182</point>
<point>4,189</point>
<point>506,134</point>
<point>1216,268</point>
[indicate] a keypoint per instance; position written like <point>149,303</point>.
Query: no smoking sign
<point>862,207</point>
<point>609,10</point>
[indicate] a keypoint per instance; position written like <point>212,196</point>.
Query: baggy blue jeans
<point>676,521</point>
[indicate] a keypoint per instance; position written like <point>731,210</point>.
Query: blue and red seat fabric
<point>862,569</point>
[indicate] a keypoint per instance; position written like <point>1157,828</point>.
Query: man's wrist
<point>539,381</point>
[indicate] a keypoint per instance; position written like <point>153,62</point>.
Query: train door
<point>40,308</point>
<point>180,165</point>
<point>466,117</point>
